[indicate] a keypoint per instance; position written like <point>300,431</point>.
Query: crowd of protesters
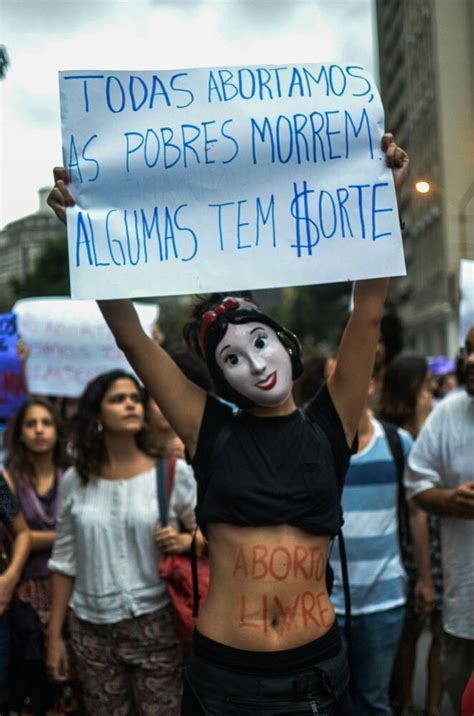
<point>85,624</point>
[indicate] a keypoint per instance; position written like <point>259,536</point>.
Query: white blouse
<point>104,539</point>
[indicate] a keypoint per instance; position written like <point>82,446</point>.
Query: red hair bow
<point>228,304</point>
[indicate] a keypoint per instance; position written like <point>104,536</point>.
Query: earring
<point>99,427</point>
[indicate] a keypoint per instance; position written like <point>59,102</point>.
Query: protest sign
<point>12,383</point>
<point>70,343</point>
<point>213,179</point>
<point>466,304</point>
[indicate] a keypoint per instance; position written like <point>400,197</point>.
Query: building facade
<point>21,242</point>
<point>426,58</point>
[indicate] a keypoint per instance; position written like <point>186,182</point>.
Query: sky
<point>45,36</point>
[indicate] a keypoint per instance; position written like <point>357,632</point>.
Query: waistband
<point>283,662</point>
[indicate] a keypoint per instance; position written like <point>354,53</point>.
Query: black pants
<point>319,687</point>
<point>28,673</point>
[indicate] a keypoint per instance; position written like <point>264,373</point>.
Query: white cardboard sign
<point>466,305</point>
<point>70,343</point>
<point>199,180</point>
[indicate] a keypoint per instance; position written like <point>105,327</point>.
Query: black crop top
<point>255,471</point>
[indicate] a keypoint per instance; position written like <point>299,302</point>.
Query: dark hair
<point>242,314</point>
<point>391,335</point>
<point>18,461</point>
<point>312,379</point>
<point>401,384</point>
<point>88,441</point>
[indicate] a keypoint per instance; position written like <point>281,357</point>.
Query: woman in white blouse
<point>104,561</point>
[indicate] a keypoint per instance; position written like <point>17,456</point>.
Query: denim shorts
<point>319,687</point>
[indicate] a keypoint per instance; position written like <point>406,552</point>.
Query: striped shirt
<point>370,502</point>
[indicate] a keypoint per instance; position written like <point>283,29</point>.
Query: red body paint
<point>280,563</point>
<point>306,609</point>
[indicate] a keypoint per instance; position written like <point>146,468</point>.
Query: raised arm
<point>181,401</point>
<point>349,381</point>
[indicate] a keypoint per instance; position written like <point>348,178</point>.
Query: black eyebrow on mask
<point>257,328</point>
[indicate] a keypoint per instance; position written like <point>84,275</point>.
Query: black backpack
<point>396,448</point>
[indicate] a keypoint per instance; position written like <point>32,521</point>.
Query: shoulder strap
<point>161,491</point>
<point>170,475</point>
<point>345,586</point>
<point>396,448</point>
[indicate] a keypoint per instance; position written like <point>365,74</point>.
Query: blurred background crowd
<point>80,544</point>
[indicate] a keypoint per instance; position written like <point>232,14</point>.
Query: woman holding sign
<point>269,486</point>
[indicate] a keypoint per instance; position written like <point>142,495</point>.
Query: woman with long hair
<point>104,564</point>
<point>34,467</point>
<point>406,401</point>
<point>269,485</point>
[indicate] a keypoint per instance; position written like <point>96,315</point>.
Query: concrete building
<point>426,56</point>
<point>21,242</point>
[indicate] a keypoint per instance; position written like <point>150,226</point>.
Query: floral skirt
<point>37,592</point>
<point>129,668</point>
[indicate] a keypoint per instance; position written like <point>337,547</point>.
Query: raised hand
<point>59,198</point>
<point>397,159</point>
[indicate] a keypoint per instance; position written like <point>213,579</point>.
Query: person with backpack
<point>269,485</point>
<point>105,558</point>
<point>377,579</point>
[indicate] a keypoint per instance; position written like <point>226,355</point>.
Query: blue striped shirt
<point>370,501</point>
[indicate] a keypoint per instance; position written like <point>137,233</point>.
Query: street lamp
<point>422,186</point>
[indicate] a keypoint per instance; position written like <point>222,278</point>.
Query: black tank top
<point>270,471</point>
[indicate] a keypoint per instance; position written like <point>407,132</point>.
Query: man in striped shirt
<point>376,574</point>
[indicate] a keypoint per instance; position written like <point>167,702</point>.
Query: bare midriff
<point>267,588</point>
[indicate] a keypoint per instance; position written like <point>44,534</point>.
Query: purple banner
<point>12,382</point>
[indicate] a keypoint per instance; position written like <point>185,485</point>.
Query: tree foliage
<point>50,276</point>
<point>315,313</point>
<point>4,62</point>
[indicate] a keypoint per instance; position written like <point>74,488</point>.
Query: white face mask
<point>255,363</point>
